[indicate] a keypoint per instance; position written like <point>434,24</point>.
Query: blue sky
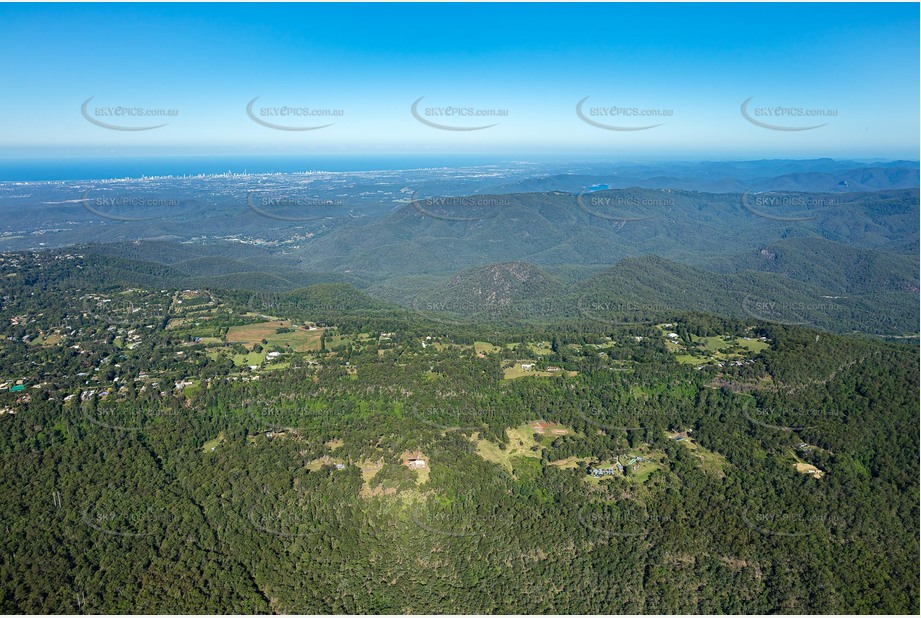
<point>698,62</point>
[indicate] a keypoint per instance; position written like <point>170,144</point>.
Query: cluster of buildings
<point>600,472</point>
<point>414,461</point>
<point>618,468</point>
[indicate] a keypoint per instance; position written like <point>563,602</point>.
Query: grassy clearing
<point>46,340</point>
<point>805,468</point>
<point>276,366</point>
<point>644,470</point>
<point>546,430</point>
<point>384,479</point>
<point>211,445</point>
<point>753,345</point>
<point>252,314</point>
<point>521,438</point>
<point>710,462</point>
<point>653,461</point>
<point>316,464</point>
<point>422,475</point>
<point>369,470</point>
<point>482,347</point>
<point>52,339</point>
<point>712,344</point>
<point>299,339</point>
<point>343,341</point>
<point>516,371</point>
<point>671,346</point>
<point>491,452</point>
<point>521,444</point>
<point>191,389</point>
<point>570,463</point>
<point>706,350</point>
<point>249,360</point>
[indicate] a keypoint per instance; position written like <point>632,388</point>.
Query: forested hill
<point>820,284</point>
<point>183,450</point>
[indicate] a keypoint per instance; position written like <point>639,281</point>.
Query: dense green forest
<point>165,449</point>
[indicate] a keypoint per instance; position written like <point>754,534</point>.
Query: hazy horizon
<point>444,309</point>
<point>731,81</point>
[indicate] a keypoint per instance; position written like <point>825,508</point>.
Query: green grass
<point>710,462</point>
<point>644,470</point>
<point>520,442</point>
<point>714,348</point>
<point>491,452</point>
<point>252,358</point>
<point>336,342</point>
<point>277,366</point>
<point>753,345</point>
<point>522,438</point>
<point>482,347</point>
<point>211,444</point>
<point>548,434</point>
<point>53,339</point>
<point>422,475</point>
<point>190,390</point>
<point>316,464</point>
<point>339,341</point>
<point>515,371</point>
<point>298,339</point>
<point>672,346</point>
<point>525,466</point>
<point>569,463</point>
<point>653,461</point>
<point>712,344</point>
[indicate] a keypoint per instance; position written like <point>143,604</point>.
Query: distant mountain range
<point>829,243</point>
<point>795,281</point>
<point>599,228</point>
<point>649,288</point>
<point>819,175</point>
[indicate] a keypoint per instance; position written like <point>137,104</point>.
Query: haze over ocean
<point>353,77</point>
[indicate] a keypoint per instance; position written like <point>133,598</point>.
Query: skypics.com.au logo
<point>778,117</point>
<point>132,207</point>
<point>447,115</point>
<point>458,208</point>
<point>611,113</point>
<point>118,117</point>
<point>786,207</point>
<point>280,113</point>
<point>292,208</point>
<point>621,206</point>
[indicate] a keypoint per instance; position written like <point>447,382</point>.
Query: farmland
<point>279,333</point>
<point>714,349</point>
